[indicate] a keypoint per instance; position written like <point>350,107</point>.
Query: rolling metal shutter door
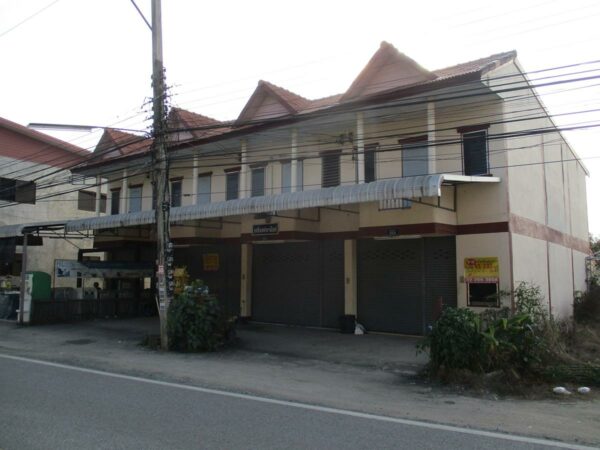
<point>298,283</point>
<point>440,273</point>
<point>390,285</point>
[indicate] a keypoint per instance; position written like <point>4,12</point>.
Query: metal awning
<point>396,188</point>
<point>17,229</point>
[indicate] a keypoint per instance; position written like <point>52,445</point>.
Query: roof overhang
<point>396,188</point>
<point>29,228</point>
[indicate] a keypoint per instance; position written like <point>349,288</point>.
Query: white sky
<point>89,61</point>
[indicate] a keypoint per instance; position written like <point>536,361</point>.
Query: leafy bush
<point>587,305</point>
<point>455,341</point>
<point>196,321</point>
<point>520,342</point>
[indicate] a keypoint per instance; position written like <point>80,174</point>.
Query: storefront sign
<point>265,229</point>
<point>210,262</point>
<point>482,270</point>
<point>66,268</point>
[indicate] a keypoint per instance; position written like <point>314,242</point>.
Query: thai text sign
<point>482,270</point>
<point>210,262</point>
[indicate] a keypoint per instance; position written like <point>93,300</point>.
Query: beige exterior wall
<point>483,245</point>
<point>530,258</point>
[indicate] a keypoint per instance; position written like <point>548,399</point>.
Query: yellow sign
<point>210,262</point>
<point>482,270</point>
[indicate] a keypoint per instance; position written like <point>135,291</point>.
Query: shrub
<point>519,343</point>
<point>196,321</point>
<point>587,305</point>
<point>454,341</point>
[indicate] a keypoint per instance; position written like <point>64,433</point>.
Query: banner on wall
<point>67,268</point>
<point>482,270</point>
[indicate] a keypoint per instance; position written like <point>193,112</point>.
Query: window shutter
<point>475,153</point>
<point>176,193</point>
<point>330,170</point>
<point>25,192</point>
<point>286,177</point>
<point>370,162</point>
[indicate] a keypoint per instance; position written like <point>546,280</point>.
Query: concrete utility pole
<point>164,249</point>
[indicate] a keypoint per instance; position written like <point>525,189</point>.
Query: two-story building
<point>410,188</point>
<point>37,188</point>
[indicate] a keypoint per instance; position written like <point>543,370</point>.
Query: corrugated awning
<point>396,188</point>
<point>17,229</point>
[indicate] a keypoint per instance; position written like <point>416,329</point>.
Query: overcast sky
<point>89,61</point>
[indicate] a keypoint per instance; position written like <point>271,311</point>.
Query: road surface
<point>46,405</point>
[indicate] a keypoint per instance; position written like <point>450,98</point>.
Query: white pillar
<point>431,138</point>
<point>294,163</point>
<point>360,148</point>
<point>195,181</point>
<point>98,194</point>
<point>124,193</point>
<point>246,281</point>
<point>350,291</point>
<point>244,193</point>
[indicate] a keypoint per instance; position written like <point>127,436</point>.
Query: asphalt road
<point>46,406</point>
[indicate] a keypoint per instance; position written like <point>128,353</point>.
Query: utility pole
<point>164,248</point>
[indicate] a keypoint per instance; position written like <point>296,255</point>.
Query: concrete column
<point>98,194</point>
<point>431,138</point>
<point>350,292</point>
<point>360,148</point>
<point>246,281</point>
<point>195,181</point>
<point>244,192</point>
<point>294,163</point>
<point>124,193</point>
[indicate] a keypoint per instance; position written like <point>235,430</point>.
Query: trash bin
<point>347,323</point>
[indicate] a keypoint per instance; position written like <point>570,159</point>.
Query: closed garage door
<point>298,283</point>
<point>399,281</point>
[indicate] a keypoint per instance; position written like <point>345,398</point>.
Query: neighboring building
<point>410,187</point>
<point>26,155</point>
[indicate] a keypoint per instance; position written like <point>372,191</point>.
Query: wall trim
<point>530,228</point>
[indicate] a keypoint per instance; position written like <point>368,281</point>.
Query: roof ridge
<point>280,88</point>
<point>474,61</point>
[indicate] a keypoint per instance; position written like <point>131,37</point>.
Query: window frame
<point>253,171</point>
<point>117,210</point>
<point>207,175</point>
<point>465,132</point>
<point>130,197</point>
<point>371,149</point>
<point>173,182</point>
<point>329,156</point>
<point>484,304</point>
<point>229,174</point>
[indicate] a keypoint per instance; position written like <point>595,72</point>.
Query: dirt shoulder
<point>384,390</point>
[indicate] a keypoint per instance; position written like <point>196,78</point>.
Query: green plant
<point>454,341</point>
<point>587,305</point>
<point>196,321</point>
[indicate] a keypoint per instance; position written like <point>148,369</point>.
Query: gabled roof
<point>197,125</point>
<point>387,69</point>
<point>115,143</point>
<point>289,103</point>
<point>44,138</point>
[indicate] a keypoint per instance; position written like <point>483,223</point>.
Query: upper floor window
<point>330,172</point>
<point>86,201</point>
<point>18,191</point>
<point>115,200</point>
<point>286,176</point>
<point>176,192</point>
<point>475,153</point>
<point>415,160</point>
<point>232,185</point>
<point>204,187</point>
<point>258,182</point>
<point>135,198</point>
<point>370,162</point>
<point>475,150</point>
